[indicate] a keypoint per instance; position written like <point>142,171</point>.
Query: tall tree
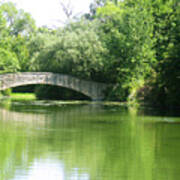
<point>127,32</point>
<point>17,21</point>
<point>16,27</point>
<point>97,4</point>
<point>69,12</point>
<point>167,35</point>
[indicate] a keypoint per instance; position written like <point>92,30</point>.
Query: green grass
<point>22,96</point>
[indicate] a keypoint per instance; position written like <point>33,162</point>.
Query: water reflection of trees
<point>88,141</point>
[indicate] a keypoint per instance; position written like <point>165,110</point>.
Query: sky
<point>49,12</point>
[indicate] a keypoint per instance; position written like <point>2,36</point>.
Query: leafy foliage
<point>167,33</point>
<point>132,44</point>
<point>127,32</point>
<point>15,30</point>
<point>75,50</point>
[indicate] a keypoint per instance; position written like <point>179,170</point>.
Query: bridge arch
<point>94,90</point>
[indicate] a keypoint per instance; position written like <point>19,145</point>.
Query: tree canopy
<point>132,44</point>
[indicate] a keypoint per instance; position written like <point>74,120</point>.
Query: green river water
<point>45,140</point>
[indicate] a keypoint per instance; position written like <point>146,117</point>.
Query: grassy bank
<point>22,96</point>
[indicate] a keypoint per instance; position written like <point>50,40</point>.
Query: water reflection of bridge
<point>41,116</point>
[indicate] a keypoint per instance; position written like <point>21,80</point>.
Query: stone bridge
<point>94,90</point>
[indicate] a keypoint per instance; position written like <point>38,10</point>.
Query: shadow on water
<point>159,111</point>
